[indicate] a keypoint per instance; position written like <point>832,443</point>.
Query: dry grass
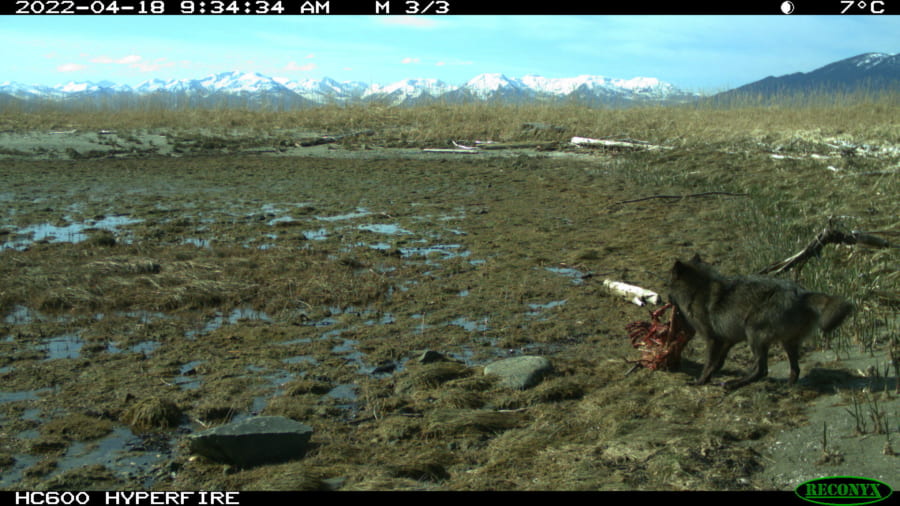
<point>152,414</point>
<point>445,425</point>
<point>84,278</point>
<point>862,116</point>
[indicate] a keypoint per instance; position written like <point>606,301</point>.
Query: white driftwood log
<point>451,150</point>
<point>635,294</point>
<point>606,143</point>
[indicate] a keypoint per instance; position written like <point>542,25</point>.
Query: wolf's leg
<point>716,351</point>
<point>722,355</point>
<point>793,353</point>
<point>761,353</point>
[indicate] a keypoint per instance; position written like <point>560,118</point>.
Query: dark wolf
<point>757,309</point>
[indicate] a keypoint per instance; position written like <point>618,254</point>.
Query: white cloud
<point>127,60</point>
<point>135,62</point>
<point>130,59</point>
<point>293,66</point>
<point>408,60</point>
<point>71,67</point>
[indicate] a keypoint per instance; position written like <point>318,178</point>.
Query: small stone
<point>520,372</point>
<point>429,356</point>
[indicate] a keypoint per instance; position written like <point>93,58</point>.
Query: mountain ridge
<point>488,86</point>
<point>867,71</point>
<point>863,72</point>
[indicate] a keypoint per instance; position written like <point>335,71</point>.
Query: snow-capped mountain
<point>870,72</point>
<point>103,87</point>
<point>25,91</point>
<point>487,86</point>
<point>564,86</point>
<point>407,91</point>
<point>226,82</point>
<point>325,90</point>
<point>260,90</point>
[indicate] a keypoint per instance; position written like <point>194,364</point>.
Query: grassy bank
<point>865,117</point>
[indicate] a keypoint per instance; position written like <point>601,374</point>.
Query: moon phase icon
<point>787,7</point>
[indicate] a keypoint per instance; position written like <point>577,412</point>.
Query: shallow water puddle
<point>538,309</point>
<point>386,229</point>
<point>142,316</point>
<point>346,395</point>
<point>110,450</point>
<point>73,232</point>
<point>470,325</point>
<point>219,320</point>
<point>22,395</point>
<point>64,346</point>
<point>576,276</point>
<point>300,359</point>
<point>359,213</point>
<point>316,235</point>
<point>121,452</point>
<point>11,475</point>
<point>21,315</point>
<point>200,243</point>
<point>146,347</point>
<point>348,349</point>
<point>446,251</point>
<point>188,378</point>
<point>69,345</point>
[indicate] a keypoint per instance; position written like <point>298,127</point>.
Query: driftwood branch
<point>679,197</point>
<point>450,150</point>
<point>827,236</point>
<point>490,145</point>
<point>635,294</point>
<point>616,144</point>
<point>519,145</point>
<point>328,139</point>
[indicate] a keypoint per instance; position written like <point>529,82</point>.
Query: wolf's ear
<point>696,259</point>
<point>679,268</point>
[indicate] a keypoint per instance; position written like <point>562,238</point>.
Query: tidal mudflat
<point>148,296</point>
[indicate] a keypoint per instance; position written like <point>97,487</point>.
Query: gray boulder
<point>254,441</point>
<point>520,372</point>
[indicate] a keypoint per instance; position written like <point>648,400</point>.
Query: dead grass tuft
<point>125,265</point>
<point>472,423</point>
<point>152,414</point>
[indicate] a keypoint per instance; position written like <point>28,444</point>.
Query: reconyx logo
<point>843,490</point>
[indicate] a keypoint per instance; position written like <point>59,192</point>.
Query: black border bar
<point>445,7</point>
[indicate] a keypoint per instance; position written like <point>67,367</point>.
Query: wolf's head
<point>688,278</point>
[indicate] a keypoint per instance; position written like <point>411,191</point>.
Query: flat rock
<point>520,372</point>
<point>429,356</point>
<point>254,441</point>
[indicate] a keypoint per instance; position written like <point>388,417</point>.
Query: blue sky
<point>697,53</point>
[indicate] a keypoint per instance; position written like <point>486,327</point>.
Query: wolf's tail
<point>832,310</point>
